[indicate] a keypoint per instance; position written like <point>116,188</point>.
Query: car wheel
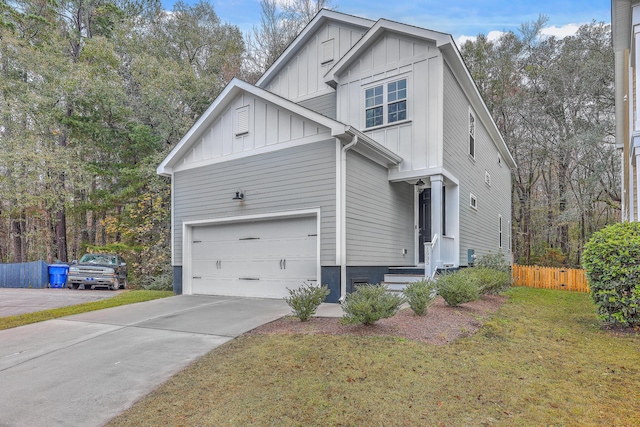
<point>116,284</point>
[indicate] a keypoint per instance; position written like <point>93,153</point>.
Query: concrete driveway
<point>14,301</point>
<point>85,369</point>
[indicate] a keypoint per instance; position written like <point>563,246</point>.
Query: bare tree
<point>280,23</point>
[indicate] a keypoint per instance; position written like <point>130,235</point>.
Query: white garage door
<point>256,259</point>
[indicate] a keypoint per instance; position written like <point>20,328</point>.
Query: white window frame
<point>473,201</point>
<point>472,140</point>
<point>386,103</point>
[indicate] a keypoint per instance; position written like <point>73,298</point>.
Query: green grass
<point>124,298</point>
<point>541,360</point>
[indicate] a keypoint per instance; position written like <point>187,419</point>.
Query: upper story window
<point>386,103</point>
<point>472,135</point>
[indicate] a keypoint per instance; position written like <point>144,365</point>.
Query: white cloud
<point>491,36</point>
<point>560,32</point>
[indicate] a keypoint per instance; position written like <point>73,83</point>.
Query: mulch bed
<point>441,325</point>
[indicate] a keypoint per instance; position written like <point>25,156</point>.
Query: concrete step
<point>395,287</point>
<point>402,278</point>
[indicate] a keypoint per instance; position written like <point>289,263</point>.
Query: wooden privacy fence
<point>568,279</point>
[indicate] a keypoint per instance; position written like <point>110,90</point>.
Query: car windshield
<point>98,259</point>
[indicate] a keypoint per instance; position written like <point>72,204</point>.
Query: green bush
<point>420,295</point>
<point>612,262</point>
<point>305,300</point>
<point>490,281</point>
<point>160,282</point>
<point>458,287</point>
<point>370,303</point>
<point>494,261</point>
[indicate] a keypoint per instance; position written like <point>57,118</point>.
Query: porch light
<point>238,196</point>
<point>420,183</point>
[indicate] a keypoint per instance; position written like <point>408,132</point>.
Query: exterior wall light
<point>420,183</point>
<point>239,196</point>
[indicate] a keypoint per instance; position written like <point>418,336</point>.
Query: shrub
<point>458,287</point>
<point>611,262</point>
<point>305,300</point>
<point>494,262</point>
<point>490,281</point>
<point>370,303</point>
<point>160,282</point>
<point>419,295</point>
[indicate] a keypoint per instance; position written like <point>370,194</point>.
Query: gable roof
<point>309,30</point>
<point>451,54</point>
<point>339,130</point>
<point>371,36</point>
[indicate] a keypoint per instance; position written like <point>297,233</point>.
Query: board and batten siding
<point>267,125</point>
<point>479,228</point>
<point>296,178</point>
<point>379,216</point>
<point>390,58</point>
<point>323,104</point>
<point>303,76</point>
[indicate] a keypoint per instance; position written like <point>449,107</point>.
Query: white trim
<point>339,225</point>
<point>381,26</point>
<point>187,237</point>
<point>385,82</point>
<point>323,16</point>
<point>343,215</point>
<point>173,223</point>
<point>500,231</point>
<point>325,136</point>
<point>416,226</point>
<point>473,201</point>
<point>470,134</point>
<point>395,176</point>
<point>233,89</point>
<point>327,53</point>
<point>242,120</point>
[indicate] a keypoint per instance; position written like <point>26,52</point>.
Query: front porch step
<point>403,278</point>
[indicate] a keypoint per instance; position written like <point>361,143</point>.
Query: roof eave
<point>308,31</point>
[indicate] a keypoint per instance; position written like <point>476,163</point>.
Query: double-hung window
<point>374,105</point>
<point>386,103</point>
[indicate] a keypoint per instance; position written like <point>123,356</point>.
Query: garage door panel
<point>268,288</point>
<point>260,258</point>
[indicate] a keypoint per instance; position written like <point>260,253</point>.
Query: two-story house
<point>625,22</point>
<point>364,150</point>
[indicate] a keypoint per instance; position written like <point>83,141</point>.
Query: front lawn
<point>541,360</point>
<point>128,297</point>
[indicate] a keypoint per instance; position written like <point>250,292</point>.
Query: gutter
<point>342,215</point>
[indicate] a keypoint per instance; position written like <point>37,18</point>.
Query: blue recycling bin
<point>58,275</point>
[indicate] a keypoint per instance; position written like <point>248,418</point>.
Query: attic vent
<point>242,120</point>
<point>487,178</point>
<point>327,51</point>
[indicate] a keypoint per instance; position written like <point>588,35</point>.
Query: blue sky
<point>461,18</point>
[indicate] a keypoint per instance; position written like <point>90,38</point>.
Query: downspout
<point>343,217</point>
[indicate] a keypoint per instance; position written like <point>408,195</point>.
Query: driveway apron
<point>85,369</point>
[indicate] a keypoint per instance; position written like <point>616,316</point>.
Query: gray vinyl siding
<point>323,104</point>
<point>479,229</point>
<point>379,214</point>
<point>301,177</point>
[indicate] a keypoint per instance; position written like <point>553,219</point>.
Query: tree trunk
<point>17,228</point>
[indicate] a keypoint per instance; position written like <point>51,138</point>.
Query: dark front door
<point>424,221</point>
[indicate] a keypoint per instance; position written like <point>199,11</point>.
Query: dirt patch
<point>441,325</point>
